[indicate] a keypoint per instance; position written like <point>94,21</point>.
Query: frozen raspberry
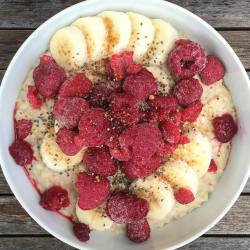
<point>54,198</point>
<point>92,190</point>
<point>65,140</point>
<point>130,66</point>
<point>213,71</point>
<point>191,112</point>
<point>33,97</point>
<point>113,141</point>
<point>21,152</point>
<point>46,58</point>
<point>23,128</point>
<point>124,207</point>
<point>69,110</point>
<point>224,128</point>
<point>186,59</point>
<point>171,131</point>
<point>184,196</point>
<point>212,167</point>
<point>188,91</point>
<point>76,86</point>
<point>48,77</point>
<point>98,161</point>
<point>81,231</point>
<point>94,128</point>
<point>138,231</point>
<point>184,139</point>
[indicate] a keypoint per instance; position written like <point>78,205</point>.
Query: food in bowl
<point>124,124</point>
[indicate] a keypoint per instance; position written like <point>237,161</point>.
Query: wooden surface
<point>17,21</point>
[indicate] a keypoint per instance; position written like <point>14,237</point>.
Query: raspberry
<point>138,231</point>
<point>46,58</point>
<point>124,207</point>
<point>186,59</point>
<point>23,128</point>
<point>21,152</point>
<point>69,110</point>
<point>191,112</point>
<point>33,97</point>
<point>94,128</point>
<point>212,167</point>
<point>65,140</point>
<point>224,128</point>
<point>182,42</point>
<point>213,71</point>
<point>170,148</point>
<point>81,231</point>
<point>92,190</point>
<point>54,198</point>
<point>130,66</point>
<point>188,91</point>
<point>48,77</point>
<point>184,139</point>
<point>184,196</point>
<point>171,131</point>
<point>98,161</point>
<point>76,86</point>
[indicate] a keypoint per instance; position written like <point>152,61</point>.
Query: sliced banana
<point>158,194</point>
<point>94,31</point>
<point>96,219</point>
<point>68,48</point>
<point>54,158</point>
<point>118,27</point>
<point>57,126</point>
<point>142,34</point>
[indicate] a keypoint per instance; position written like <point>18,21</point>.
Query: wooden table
<point>19,18</point>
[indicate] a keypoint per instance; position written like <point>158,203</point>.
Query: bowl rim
<point>92,2</point>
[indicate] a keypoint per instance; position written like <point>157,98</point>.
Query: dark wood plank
<point>4,187</point>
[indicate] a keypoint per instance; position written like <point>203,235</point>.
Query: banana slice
<point>142,34</point>
<point>118,28</point>
<point>96,219</point>
<point>197,154</point>
<point>57,126</point>
<point>158,194</point>
<point>164,39</point>
<point>68,48</point>
<point>94,31</point>
<point>54,158</point>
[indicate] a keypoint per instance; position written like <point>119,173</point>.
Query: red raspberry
<point>171,131</point>
<point>46,58</point>
<point>170,148</point>
<point>48,77</point>
<point>92,190</point>
<point>21,152</point>
<point>186,59</point>
<point>138,231</point>
<point>33,97</point>
<point>81,231</point>
<point>76,86</point>
<point>224,128</point>
<point>69,110</point>
<point>113,141</point>
<point>123,207</point>
<point>65,140</point>
<point>191,112</point>
<point>213,71</point>
<point>184,196</point>
<point>130,66</point>
<point>54,198</point>
<point>188,91</point>
<point>182,42</point>
<point>98,161</point>
<point>212,167</point>
<point>184,139</point>
<point>23,128</point>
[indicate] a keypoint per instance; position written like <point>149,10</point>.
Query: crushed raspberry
<point>81,231</point>
<point>171,131</point>
<point>212,167</point>
<point>94,128</point>
<point>184,139</point>
<point>191,112</point>
<point>54,198</point>
<point>92,190</point>
<point>98,161</point>
<point>76,86</point>
<point>21,152</point>
<point>138,231</point>
<point>224,128</point>
<point>48,77</point>
<point>65,140</point>
<point>188,91</point>
<point>123,207</point>
<point>46,58</point>
<point>184,196</point>
<point>33,97</point>
<point>68,110</point>
<point>23,128</point>
<point>186,59</point>
<point>213,71</point>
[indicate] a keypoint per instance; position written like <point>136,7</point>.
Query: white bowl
<point>177,233</point>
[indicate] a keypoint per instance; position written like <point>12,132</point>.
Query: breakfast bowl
<point>178,232</point>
